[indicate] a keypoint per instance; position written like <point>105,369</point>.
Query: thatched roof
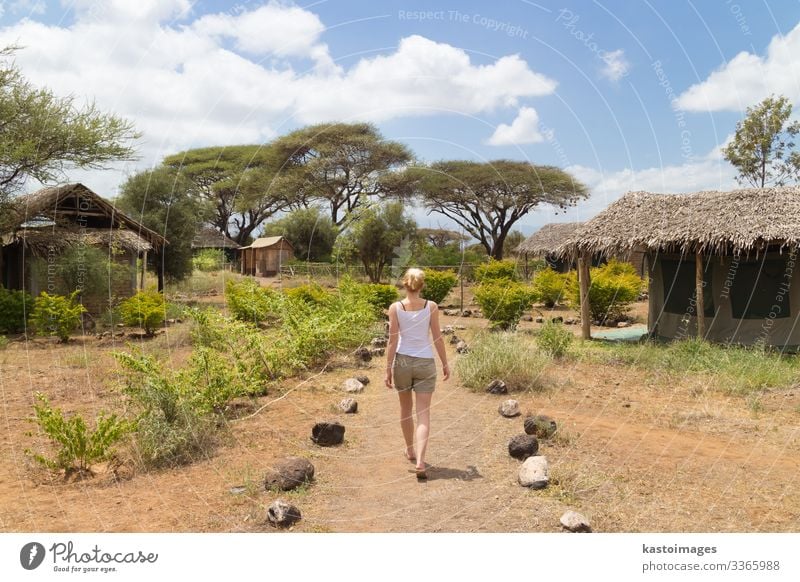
<point>210,238</point>
<point>268,241</point>
<point>76,204</point>
<point>713,222</point>
<point>549,238</point>
<point>43,240</point>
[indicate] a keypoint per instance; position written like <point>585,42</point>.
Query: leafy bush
<point>378,295</point>
<point>169,428</point>
<point>249,301</point>
<point>3,342</point>
<point>311,293</point>
<point>494,270</point>
<point>78,447</point>
<point>613,288</point>
<point>554,339</point>
<point>147,309</point>
<point>551,288</point>
<point>56,315</point>
<point>14,308</point>
<point>438,284</point>
<point>505,356</point>
<point>504,302</point>
<point>209,260</point>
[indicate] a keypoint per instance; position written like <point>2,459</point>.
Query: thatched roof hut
<point>42,225</point>
<point>721,264</point>
<point>549,239</point>
<point>208,237</point>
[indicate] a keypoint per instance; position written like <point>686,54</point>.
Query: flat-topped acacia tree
<point>488,198</point>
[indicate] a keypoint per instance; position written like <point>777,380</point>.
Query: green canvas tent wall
<point>747,241</point>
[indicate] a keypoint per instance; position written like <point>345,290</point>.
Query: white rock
<point>533,473</point>
<point>509,408</point>
<point>353,386</point>
<point>575,522</point>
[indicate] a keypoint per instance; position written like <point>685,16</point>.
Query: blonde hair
<point>414,279</point>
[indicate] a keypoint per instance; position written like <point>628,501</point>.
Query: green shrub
<point>14,308</point>
<point>613,288</point>
<point>249,301</point>
<point>208,260</point>
<point>551,288</point>
<point>378,295</point>
<point>311,293</point>
<point>438,284</point>
<point>169,428</point>
<point>504,302</point>
<point>78,447</point>
<point>3,342</point>
<point>147,309</point>
<point>56,315</point>
<point>554,339</point>
<point>504,356</point>
<point>494,270</point>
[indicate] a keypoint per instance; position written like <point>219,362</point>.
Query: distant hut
<point>265,256</point>
<point>550,241</point>
<point>208,237</point>
<point>721,265</point>
<point>42,225</point>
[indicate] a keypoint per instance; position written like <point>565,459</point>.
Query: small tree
<point>146,309</point>
<point>56,314</point>
<point>762,149</point>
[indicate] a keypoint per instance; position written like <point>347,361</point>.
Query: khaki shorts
<point>412,373</point>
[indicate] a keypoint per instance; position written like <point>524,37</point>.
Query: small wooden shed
<point>265,256</point>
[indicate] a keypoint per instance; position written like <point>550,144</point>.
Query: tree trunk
<point>160,271</point>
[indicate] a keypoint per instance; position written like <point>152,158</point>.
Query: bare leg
<point>423,426</point>
<point>407,421</point>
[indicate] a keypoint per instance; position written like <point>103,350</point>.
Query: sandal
<point>422,473</point>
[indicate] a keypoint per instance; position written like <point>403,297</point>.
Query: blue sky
<point>626,95</point>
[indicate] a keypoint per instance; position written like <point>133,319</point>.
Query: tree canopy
<point>762,149</point>
<point>487,199</point>
<point>338,164</point>
<point>310,232</point>
<point>236,183</point>
<point>42,135</point>
<point>160,199</point>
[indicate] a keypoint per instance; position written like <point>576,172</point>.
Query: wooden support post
<point>700,304</point>
<point>583,280</point>
<point>144,269</point>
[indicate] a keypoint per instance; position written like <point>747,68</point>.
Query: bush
<point>504,356</point>
<point>249,301</point>
<point>438,284</point>
<point>78,447</point>
<point>503,303</point>
<point>613,288</point>
<point>14,308</point>
<point>56,315</point>
<point>550,287</point>
<point>3,342</point>
<point>311,293</point>
<point>494,270</point>
<point>208,260</point>
<point>147,309</point>
<point>554,339</point>
<point>376,294</point>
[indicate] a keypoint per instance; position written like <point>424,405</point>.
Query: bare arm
<point>438,341</point>
<point>391,347</point>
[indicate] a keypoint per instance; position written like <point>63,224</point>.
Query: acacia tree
<point>377,236</point>
<point>487,199</point>
<point>341,165</point>
<point>161,200</point>
<point>41,135</point>
<point>236,183</point>
<point>762,149</point>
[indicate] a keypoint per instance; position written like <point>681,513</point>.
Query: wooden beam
<point>583,280</point>
<point>700,304</point>
<point>144,269</point>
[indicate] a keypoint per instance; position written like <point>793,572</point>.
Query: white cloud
<point>524,129</point>
<point>615,66</point>
<point>222,79</point>
<point>748,78</point>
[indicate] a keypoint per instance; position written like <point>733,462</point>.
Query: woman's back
<point>414,331</point>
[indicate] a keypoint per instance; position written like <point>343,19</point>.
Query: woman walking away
<point>410,365</point>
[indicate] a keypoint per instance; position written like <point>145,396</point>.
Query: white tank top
<point>415,329</point>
